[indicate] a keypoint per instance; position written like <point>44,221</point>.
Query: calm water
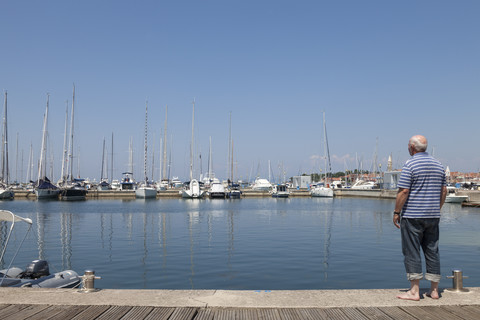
<point>249,244</point>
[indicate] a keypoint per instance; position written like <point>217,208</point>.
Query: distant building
<point>301,181</point>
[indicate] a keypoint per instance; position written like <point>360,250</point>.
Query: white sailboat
<point>192,190</point>
<point>146,190</point>
<point>44,189</point>
<point>71,189</point>
<point>324,190</point>
<point>5,191</point>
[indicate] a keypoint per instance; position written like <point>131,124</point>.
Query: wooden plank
<point>114,313</point>
<point>68,312</point>
<point>290,314</point>
<point>160,313</point>
<point>246,314</point>
<point>91,312</point>
<point>374,313</point>
<point>336,313</point>
<point>397,313</point>
<point>474,309</point>
<point>462,312</point>
<point>183,314</point>
<point>204,314</point>
<point>225,314</point>
<point>314,314</point>
<point>25,313</point>
<point>13,309</point>
<point>138,313</point>
<point>440,313</point>
<point>50,312</point>
<point>354,313</point>
<point>265,314</point>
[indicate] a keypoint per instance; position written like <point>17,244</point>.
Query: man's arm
<point>402,196</point>
<point>443,196</point>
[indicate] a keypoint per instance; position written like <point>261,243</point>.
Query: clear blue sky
<point>379,69</point>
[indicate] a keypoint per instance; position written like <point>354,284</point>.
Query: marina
<point>253,243</point>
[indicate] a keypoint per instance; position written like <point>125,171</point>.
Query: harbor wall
<point>474,195</point>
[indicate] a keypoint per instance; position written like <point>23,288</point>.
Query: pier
<point>30,303</point>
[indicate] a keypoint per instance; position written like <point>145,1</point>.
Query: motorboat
<point>261,185</point>
<point>217,190</point>
<point>192,190</point>
<point>127,182</point>
<point>452,196</point>
<point>6,193</point>
<point>234,191</point>
<point>36,274</point>
<point>104,185</point>
<point>364,185</point>
<point>73,191</point>
<point>280,191</point>
<point>320,190</point>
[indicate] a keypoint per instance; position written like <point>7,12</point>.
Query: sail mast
<point>164,163</point>
<point>70,148</point>
<point>64,157</point>
<point>145,145</point>
<point>5,170</point>
<point>191,146</point>
<point>41,169</point>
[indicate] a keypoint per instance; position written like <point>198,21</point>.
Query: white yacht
<point>320,190</point>
<point>192,190</point>
<point>217,190</point>
<point>261,185</point>
<point>280,191</point>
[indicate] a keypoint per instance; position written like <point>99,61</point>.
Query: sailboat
<point>324,190</point>
<point>44,188</point>
<point>71,189</point>
<point>192,190</point>
<point>103,185</point>
<point>5,191</point>
<point>145,190</point>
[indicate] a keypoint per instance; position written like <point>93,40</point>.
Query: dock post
<point>89,281</point>
<point>457,276</point>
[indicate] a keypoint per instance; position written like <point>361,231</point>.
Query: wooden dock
<point>33,311</point>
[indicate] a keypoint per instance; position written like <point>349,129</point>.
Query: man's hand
<point>396,220</point>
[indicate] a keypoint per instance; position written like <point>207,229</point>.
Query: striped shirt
<point>424,177</point>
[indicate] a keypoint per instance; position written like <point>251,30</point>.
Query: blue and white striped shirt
<point>424,177</point>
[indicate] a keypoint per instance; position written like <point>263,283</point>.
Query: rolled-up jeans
<point>421,233</point>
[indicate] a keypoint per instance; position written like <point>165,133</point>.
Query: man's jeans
<point>416,234</point>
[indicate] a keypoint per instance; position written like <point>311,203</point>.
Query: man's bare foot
<point>409,296</point>
<point>433,294</point>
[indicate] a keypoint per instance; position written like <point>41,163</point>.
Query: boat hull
<point>45,194</point>
<point>456,199</point>
<point>322,192</point>
<point>6,194</point>
<point>146,193</point>
<point>73,194</point>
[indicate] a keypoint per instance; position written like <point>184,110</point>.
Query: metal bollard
<point>457,281</point>
<point>89,281</point>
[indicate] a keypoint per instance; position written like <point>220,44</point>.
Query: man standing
<point>421,195</point>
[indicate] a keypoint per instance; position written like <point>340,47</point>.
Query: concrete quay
<point>20,303</point>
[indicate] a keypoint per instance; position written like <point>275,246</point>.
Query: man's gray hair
<point>419,143</point>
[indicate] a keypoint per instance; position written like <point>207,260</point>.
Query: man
<point>421,195</point>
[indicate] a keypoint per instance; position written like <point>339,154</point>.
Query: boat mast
<point>64,157</point>
<point>111,167</point>
<point>42,163</point>
<point>103,160</point>
<point>70,148</point>
<point>5,170</point>
<point>164,163</point>
<point>191,146</point>
<point>145,145</point>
